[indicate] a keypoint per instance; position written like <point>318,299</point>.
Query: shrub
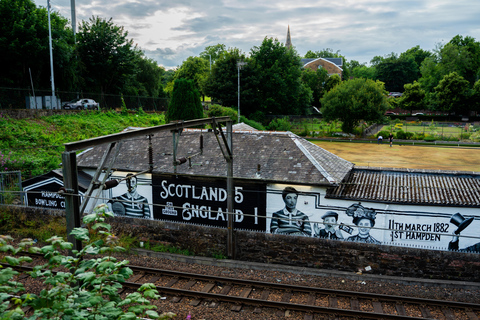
<point>383,133</point>
<point>252,123</point>
<point>217,110</point>
<point>88,289</point>
<point>280,124</point>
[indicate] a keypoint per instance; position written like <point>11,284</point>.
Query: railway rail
<point>312,302</point>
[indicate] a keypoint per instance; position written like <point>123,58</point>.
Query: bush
<point>87,289</point>
<point>383,133</point>
<point>280,124</point>
<point>252,123</point>
<point>217,110</point>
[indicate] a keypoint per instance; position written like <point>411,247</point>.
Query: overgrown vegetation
<point>34,146</point>
<point>87,288</point>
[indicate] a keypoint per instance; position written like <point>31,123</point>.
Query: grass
<point>406,156</point>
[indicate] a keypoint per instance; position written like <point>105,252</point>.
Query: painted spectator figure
<point>461,222</point>
<point>364,219</point>
<point>130,204</point>
<point>390,138</point>
<point>380,139</point>
<point>289,220</point>
<point>330,219</point>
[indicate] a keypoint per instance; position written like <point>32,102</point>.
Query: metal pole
<point>238,67</point>
<point>74,20</point>
<point>72,199</point>
<point>231,215</point>
<point>51,53</point>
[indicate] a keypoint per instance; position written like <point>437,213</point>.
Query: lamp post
<point>51,54</point>
<point>240,64</point>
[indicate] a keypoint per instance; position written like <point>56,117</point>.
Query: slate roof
<point>280,157</point>
<point>336,61</point>
<point>406,186</point>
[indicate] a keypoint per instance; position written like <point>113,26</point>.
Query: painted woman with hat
<point>364,219</point>
<point>461,222</point>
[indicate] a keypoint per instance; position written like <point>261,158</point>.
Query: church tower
<point>288,44</point>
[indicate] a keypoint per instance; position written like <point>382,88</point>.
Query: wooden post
<point>72,198</point>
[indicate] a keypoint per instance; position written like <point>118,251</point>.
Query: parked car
<point>82,104</point>
<point>417,114</point>
<point>395,94</point>
<point>390,113</point>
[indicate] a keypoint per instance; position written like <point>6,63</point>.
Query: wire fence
<point>11,188</point>
<point>19,98</point>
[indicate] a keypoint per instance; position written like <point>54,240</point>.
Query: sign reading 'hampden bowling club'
<point>204,202</point>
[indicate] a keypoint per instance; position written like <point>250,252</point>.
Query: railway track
<point>312,302</point>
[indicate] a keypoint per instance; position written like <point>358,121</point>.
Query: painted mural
<point>132,197</point>
<point>304,211</point>
<point>204,202</point>
<point>295,210</point>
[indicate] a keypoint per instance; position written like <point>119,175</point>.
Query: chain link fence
<point>17,98</point>
<point>11,188</point>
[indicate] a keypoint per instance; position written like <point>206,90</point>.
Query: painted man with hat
<point>330,219</point>
<point>461,222</point>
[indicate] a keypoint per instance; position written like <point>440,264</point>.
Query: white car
<point>82,104</point>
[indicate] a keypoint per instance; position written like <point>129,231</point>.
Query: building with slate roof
<point>401,207</point>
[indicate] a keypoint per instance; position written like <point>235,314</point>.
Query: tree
<point>150,77</point>
<point>475,98</point>
<point>315,80</point>
<point>453,93</point>
<point>85,288</point>
<point>278,70</point>
<point>396,72</point>
<point>222,83</point>
<point>185,102</point>
<point>418,55</point>
<point>413,97</point>
<point>213,53</point>
<point>195,69</point>
<point>24,47</point>
<point>107,57</point>
<point>353,101</point>
<point>332,82</point>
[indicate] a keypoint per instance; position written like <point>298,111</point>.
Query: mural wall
<point>295,210</point>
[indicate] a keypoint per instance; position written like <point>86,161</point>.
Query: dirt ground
<point>401,156</point>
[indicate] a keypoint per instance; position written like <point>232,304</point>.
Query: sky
<point>170,31</point>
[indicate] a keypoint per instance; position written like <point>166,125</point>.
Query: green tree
<point>278,70</point>
<point>453,94</point>
<point>222,83</point>
<point>149,77</point>
<point>185,101</point>
<point>213,53</point>
<point>418,55</point>
<point>332,82</point>
<point>108,58</point>
<point>413,97</point>
<point>396,72</point>
<point>315,80</point>
<point>195,69</point>
<point>24,47</point>
<point>475,98</point>
<point>353,101</point>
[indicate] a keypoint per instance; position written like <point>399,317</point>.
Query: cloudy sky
<point>171,31</point>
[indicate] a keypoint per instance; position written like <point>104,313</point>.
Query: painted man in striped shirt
<point>289,220</point>
<point>131,204</point>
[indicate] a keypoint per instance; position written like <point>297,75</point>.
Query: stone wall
<point>309,252</point>
<point>295,251</point>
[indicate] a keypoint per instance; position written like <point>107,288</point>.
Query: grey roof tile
<point>280,156</point>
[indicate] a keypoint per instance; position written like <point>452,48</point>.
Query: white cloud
<point>170,31</point>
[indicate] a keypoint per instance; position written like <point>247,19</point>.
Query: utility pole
<point>51,52</point>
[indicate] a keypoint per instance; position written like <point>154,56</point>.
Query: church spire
<point>288,44</point>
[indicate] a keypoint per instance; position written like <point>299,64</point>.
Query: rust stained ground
<point>406,156</point>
